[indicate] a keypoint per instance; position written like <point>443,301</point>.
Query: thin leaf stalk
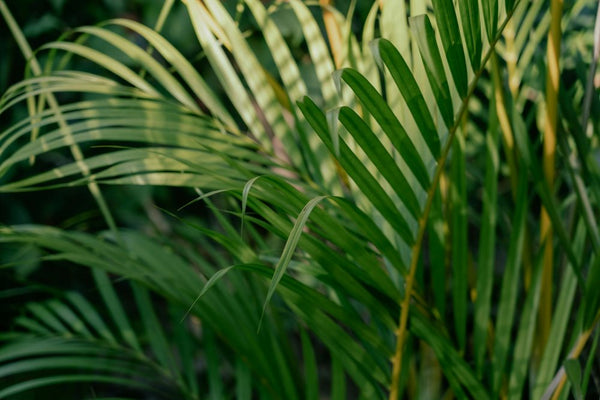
<point>505,125</point>
<point>549,155</point>
<point>508,140</point>
<point>402,331</point>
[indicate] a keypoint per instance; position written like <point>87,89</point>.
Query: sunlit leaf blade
<point>192,78</point>
<point>256,79</point>
<point>358,172</point>
<point>319,52</point>
<point>490,17</point>
<point>226,73</point>
<point>103,60</point>
<point>471,24</point>
<point>137,54</point>
<point>447,23</point>
<point>428,47</point>
<point>406,83</point>
<point>385,117</point>
<point>394,25</point>
<point>380,158</point>
<point>316,155</point>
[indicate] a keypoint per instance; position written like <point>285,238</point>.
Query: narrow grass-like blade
<point>185,69</point>
<point>72,320</point>
<point>319,52</point>
<point>591,299</point>
<point>226,73</point>
<point>453,365</point>
<point>447,23</point>
<point>213,364</point>
<point>394,25</point>
<point>510,286</point>
<point>243,381</point>
<point>368,184</point>
<point>380,157</point>
<point>437,253</point>
<point>107,62</point>
<point>290,247</point>
<point>115,308</point>
<point>490,16</point>
<point>378,107</point>
<point>338,380</point>
<point>70,378</point>
<point>471,24</point>
<point>573,371</point>
<point>406,83</point>
<point>139,55</point>
<point>185,345</point>
<point>525,335</point>
<point>210,283</point>
<point>256,79</point>
<point>428,47</point>
<point>530,160</point>
<point>91,315</point>
<point>154,331</point>
<point>587,373</point>
<point>311,374</point>
<point>487,242</point>
<point>458,196</point>
<point>42,314</point>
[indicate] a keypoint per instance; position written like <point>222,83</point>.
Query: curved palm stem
<point>402,330</point>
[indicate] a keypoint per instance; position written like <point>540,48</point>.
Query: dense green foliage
<point>286,200</point>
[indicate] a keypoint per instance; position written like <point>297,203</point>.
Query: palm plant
<point>347,227</point>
